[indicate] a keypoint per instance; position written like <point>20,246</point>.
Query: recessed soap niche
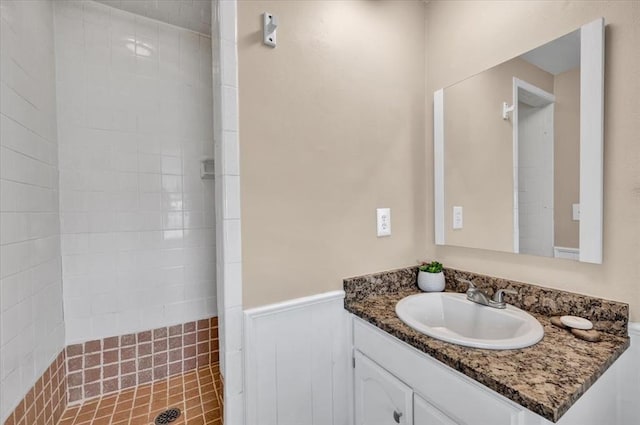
<point>207,169</point>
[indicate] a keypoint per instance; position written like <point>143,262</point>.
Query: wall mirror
<point>518,152</point>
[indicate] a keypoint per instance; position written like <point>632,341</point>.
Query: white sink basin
<point>452,318</point>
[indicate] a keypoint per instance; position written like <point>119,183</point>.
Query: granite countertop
<point>546,378</point>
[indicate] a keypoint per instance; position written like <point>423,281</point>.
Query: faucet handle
<point>498,297</point>
<point>468,282</point>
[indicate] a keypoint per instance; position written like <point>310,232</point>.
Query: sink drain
<point>167,416</point>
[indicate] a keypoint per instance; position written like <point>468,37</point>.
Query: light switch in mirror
<point>518,145</point>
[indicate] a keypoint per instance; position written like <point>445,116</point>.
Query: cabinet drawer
<point>460,398</point>
<point>426,414</point>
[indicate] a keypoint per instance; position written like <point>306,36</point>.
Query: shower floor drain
<point>167,416</point>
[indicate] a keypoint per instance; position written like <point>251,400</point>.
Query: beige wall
<point>332,125</point>
<point>566,156</point>
<point>464,38</point>
<point>479,154</point>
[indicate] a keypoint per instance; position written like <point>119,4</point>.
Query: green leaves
<point>432,267</point>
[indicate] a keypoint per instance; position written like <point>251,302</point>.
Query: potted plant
<point>430,277</point>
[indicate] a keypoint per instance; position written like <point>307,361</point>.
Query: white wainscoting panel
<point>297,362</point>
<point>629,379</point>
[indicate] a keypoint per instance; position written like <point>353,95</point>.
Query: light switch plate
<point>384,221</point>
<point>575,215</point>
<point>457,217</point>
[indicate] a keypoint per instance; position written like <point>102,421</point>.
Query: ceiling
<point>557,56</point>
<point>194,15</point>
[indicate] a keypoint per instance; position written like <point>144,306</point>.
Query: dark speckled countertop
<point>546,378</point>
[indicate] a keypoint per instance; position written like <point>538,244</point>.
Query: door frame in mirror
<point>548,97</point>
<point>438,165</point>
<point>591,147</point>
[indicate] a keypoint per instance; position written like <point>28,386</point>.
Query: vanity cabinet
<point>380,397</point>
<point>393,380</point>
<point>441,397</point>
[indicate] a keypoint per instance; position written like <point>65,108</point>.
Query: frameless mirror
<point>518,152</point>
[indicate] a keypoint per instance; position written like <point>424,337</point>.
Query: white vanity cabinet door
<point>425,414</point>
<point>380,398</point>
<point>455,395</point>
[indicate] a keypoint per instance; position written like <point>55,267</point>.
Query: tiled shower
<point>108,241</point>
<point>135,112</point>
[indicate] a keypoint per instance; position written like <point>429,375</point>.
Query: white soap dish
<point>576,322</point>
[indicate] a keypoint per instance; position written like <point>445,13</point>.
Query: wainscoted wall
<point>298,362</point>
<point>135,119</point>
<point>32,328</point>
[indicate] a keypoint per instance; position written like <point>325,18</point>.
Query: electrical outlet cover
<point>383,221</point>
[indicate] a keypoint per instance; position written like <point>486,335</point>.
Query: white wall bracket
<point>270,24</point>
<point>506,109</point>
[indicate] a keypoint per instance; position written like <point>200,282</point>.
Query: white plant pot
<point>431,282</point>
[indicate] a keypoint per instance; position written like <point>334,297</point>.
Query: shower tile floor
<point>198,395</point>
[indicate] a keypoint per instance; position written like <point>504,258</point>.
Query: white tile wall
<point>31,319</point>
<point>137,221</point>
<point>191,14</point>
<point>535,181</point>
<point>229,255</point>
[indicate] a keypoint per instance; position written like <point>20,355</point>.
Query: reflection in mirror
<point>508,154</point>
<point>546,129</point>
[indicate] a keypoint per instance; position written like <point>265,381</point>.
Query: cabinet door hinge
<point>353,361</point>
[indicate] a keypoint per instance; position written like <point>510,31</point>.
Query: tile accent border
<point>195,393</point>
<point>45,402</point>
<point>116,363</point>
<point>607,316</point>
<point>104,366</point>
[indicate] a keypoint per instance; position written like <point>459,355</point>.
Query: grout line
<point>159,392</point>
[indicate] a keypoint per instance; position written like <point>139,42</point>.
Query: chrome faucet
<point>478,296</point>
